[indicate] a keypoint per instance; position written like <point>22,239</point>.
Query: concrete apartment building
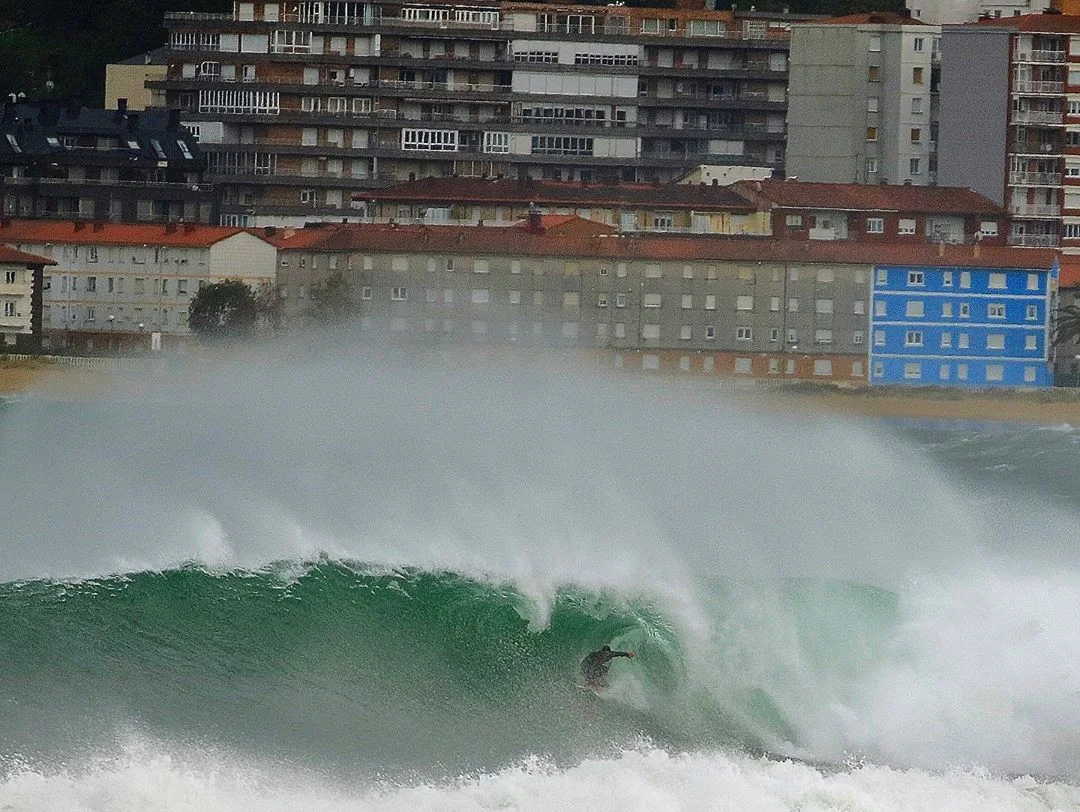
<point>712,305</point>
<point>862,100</point>
<point>1014,85</point>
<point>115,285</point>
<point>299,104</point>
<point>953,12</point>
<point>21,284</point>
<point>128,80</point>
<point>66,161</point>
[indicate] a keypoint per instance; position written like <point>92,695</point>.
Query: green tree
<point>224,311</point>
<point>333,301</point>
<point>1066,327</point>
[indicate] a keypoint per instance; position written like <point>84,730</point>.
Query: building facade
<point>66,161</point>
<point>301,104</point>
<point>878,214</point>
<point>113,286</point>
<point>778,309</point>
<point>863,100</point>
<point>21,286</point>
<point>951,12</point>
<point>973,327</point>
<point>1016,83</point>
<point>128,80</point>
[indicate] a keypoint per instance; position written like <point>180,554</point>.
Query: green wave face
<point>391,673</point>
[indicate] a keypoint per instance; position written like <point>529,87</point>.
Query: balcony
<point>1035,240</point>
<point>1034,179</point>
<point>1040,148</point>
<point>1033,88</point>
<point>1041,57</point>
<point>1035,210</point>
<point>1045,117</point>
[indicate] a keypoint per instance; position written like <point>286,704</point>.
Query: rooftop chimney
<point>534,222</point>
<point>121,106</point>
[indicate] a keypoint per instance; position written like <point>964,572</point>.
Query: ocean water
<point>365,582</point>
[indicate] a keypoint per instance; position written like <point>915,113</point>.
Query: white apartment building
<point>116,285</point>
<point>949,12</point>
<point>20,284</point>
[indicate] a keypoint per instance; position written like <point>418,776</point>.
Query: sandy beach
<point>1053,407</point>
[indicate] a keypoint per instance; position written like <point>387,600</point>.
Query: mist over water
<point>829,589</point>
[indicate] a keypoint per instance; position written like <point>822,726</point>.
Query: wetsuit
<point>594,667</point>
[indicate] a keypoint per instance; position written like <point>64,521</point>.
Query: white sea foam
<point>642,779</point>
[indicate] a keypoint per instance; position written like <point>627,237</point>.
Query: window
<point>946,340</point>
<point>710,301</point>
<point>744,333</point>
<point>822,366</point>
<point>710,331</point>
<point>917,76</point>
<point>793,338</point>
<point>774,304</point>
<point>1029,374</point>
<point>915,309</point>
<point>875,43</point>
<point>620,300</point>
<point>946,279</point>
<point>652,271</point>
<point>997,281</point>
<point>429,140</point>
<point>823,306</point>
<point>561,145</point>
<point>917,44</point>
<point>916,278</point>
<point>794,221</point>
<point>91,284</point>
<point>965,310</point>
<point>398,295</point>
<point>481,296</point>
<point>1031,342</point>
<point>874,74</point>
<point>857,337</point>
<point>685,333</point>
<point>650,300</point>
<point>601,299</point>
<point>946,310</point>
<point>1032,281</point>
<point>793,305</point>
<point>913,338</point>
<point>995,310</point>
<point>965,280</point>
<point>1031,313</point>
<point>496,142</point>
<point>906,226</point>
<point>823,336</point>
<point>871,133</point>
<point>872,104</point>
<point>995,372</point>
<point>365,293</point>
<point>743,366</point>
<point>744,302</point>
<point>9,308</point>
<point>995,341</point>
<point>650,331</point>
<point>915,166</point>
<point>913,371</point>
<point>963,342</point>
<point>871,166</point>
<point>880,307</point>
<point>858,307</point>
<point>881,277</point>
<point>988,228</point>
<point>879,338</point>
<point>687,301</point>
<point>916,105</point>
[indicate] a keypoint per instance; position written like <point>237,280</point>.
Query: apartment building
<point>21,287</point>
<point>878,214</point>
<point>300,104</point>
<point>953,12</point>
<point>714,305</point>
<point>863,100</point>
<point>976,326</point>
<point>624,206</point>
<point>66,161</point>
<point>1012,86</point>
<point>115,286</point>
<point>128,79</point>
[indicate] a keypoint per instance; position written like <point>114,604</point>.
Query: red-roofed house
<point>115,285</point>
<point>20,296</point>
<point>878,214</point>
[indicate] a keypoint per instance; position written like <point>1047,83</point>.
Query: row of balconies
<point>1044,57</point>
<point>142,184</point>
<point>1038,87</point>
<point>1034,178</point>
<point>1034,240</point>
<point>1045,117</point>
<point>1035,210</point>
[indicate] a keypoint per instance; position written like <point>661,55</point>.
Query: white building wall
<point>14,296</point>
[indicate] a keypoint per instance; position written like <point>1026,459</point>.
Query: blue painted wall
<point>966,327</point>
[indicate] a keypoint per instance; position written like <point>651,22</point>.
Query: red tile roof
<point>1069,277</point>
<point>869,197</point>
<point>552,193</point>
<point>14,257</point>
<point>873,18</point>
<point>518,242</point>
<point>66,231</point>
<point>1036,23</point>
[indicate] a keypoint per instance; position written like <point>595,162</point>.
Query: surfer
<point>595,665</point>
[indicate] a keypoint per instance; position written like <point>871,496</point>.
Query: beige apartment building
<point>21,284</point>
<point>301,104</point>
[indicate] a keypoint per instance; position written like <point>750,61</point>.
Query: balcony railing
<point>1039,88</point>
<point>1035,178</point>
<point>1035,148</point>
<point>1045,57</point>
<point>1035,240</point>
<point>1035,210</point>
<point>1038,117</point>
<point>149,184</point>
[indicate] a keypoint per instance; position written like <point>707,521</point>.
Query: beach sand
<point>1043,407</point>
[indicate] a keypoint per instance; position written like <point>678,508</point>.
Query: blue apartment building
<point>960,326</point>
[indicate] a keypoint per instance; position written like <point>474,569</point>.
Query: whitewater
<point>365,580</point>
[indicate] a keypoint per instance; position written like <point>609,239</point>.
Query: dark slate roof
<point>35,130</point>
<point>154,57</point>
